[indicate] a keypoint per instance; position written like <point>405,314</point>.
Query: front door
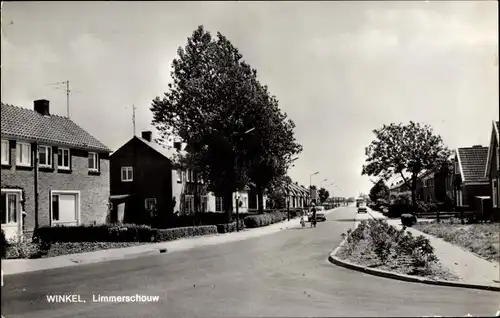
<point>11,213</point>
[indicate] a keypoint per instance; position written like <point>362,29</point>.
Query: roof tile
<point>473,161</point>
<point>25,123</point>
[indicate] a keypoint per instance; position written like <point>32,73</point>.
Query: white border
<point>77,202</point>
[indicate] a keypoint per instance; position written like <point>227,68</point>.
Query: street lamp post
<point>310,183</point>
<point>236,192</point>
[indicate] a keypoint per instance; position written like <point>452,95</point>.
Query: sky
<point>339,69</point>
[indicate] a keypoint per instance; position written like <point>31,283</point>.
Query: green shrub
<point>163,235</point>
<point>23,249</point>
<point>408,219</point>
<point>265,219</point>
<point>115,233</point>
<point>229,227</point>
<point>5,244</point>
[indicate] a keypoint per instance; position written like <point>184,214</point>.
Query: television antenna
<point>66,88</point>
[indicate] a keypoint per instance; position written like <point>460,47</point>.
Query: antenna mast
<point>67,93</point>
<point>133,117</point>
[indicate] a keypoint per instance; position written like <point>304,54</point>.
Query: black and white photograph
<point>250,159</point>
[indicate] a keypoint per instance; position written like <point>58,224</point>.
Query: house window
<point>127,174</point>
<point>183,177</point>
<point>93,161</point>
<point>23,154</point>
<point>5,152</point>
<point>191,175</point>
<point>189,207</point>
<point>218,204</point>
<point>64,207</point>
<point>63,159</point>
<point>10,207</point>
<point>179,175</point>
<point>45,156</point>
<point>188,175</point>
<point>150,203</point>
<point>204,203</point>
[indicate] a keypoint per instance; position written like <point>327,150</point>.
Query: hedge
<point>4,244</point>
<point>254,221</point>
<point>117,233</point>
<point>229,227</point>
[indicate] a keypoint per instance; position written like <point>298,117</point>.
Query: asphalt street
<point>283,274</point>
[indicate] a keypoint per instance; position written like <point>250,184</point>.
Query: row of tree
<point>233,127</point>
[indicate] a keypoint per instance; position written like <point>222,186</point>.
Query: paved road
<point>283,274</point>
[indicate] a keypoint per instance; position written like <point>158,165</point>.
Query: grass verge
<point>376,244</point>
<point>481,239</point>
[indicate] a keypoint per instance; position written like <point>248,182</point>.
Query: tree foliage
<point>379,191</point>
<point>404,150</point>
<point>213,100</point>
<point>323,195</point>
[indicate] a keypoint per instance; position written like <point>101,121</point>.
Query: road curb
<point>407,278</point>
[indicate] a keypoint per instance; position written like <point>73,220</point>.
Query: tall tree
<point>379,191</point>
<point>209,106</point>
<point>404,150</point>
<point>323,195</point>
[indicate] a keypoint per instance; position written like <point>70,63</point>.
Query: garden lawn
<point>481,239</point>
<point>379,245</point>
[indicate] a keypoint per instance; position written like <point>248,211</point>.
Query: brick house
<point>435,185</point>
<point>492,172</point>
<point>53,171</point>
<point>470,181</point>
<point>141,180</point>
<point>144,175</point>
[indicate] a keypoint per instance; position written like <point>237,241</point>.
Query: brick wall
<point>471,191</point>
<point>93,188</point>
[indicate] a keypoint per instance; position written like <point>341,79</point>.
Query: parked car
<point>320,217</point>
<point>362,208</point>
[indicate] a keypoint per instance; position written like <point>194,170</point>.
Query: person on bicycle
<point>313,216</point>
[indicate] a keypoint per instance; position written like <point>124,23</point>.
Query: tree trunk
<point>260,202</point>
<point>228,205</point>
<point>414,193</point>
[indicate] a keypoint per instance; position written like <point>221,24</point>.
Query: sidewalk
<point>16,266</point>
<point>471,268</point>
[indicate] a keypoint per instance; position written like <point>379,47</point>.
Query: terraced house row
<point>471,182</point>
<point>54,172</point>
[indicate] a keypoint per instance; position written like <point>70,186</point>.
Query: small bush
<point>260,220</point>
<point>408,219</point>
<point>163,235</point>
<point>229,227</point>
<point>23,249</point>
<point>5,244</point>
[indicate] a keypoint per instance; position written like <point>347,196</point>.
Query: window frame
<point>48,155</point>
<point>17,193</point>
<point>221,203</point>
<point>189,198</point>
<point>179,175</point>
<point>61,156</point>
<point>53,193</point>
<point>146,200</point>
<point>5,145</point>
<point>126,169</point>
<point>19,146</point>
<point>95,159</point>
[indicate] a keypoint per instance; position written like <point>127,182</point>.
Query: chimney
<point>146,135</point>
<point>42,107</point>
<point>177,145</point>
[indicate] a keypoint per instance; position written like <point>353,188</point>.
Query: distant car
<point>362,209</point>
<point>320,217</point>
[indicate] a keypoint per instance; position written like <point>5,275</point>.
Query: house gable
<point>472,162</point>
<point>493,149</point>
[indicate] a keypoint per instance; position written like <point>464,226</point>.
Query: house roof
<point>27,124</point>
<point>494,136</point>
<point>473,162</point>
<point>167,152</point>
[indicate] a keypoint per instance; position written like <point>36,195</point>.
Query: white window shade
<point>67,208</point>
